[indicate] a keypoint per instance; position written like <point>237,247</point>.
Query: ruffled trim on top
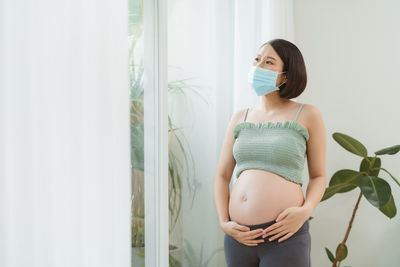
<point>279,124</point>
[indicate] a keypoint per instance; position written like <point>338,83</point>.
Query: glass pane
<point>194,235</point>
<point>136,52</point>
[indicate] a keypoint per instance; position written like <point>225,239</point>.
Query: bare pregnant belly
<point>259,196</point>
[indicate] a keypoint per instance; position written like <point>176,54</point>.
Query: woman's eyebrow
<point>268,57</point>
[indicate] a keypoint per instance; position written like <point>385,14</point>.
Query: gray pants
<point>292,252</point>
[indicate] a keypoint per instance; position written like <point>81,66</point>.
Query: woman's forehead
<point>267,50</point>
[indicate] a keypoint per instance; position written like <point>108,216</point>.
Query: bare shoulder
<point>312,117</point>
<point>238,116</point>
<point>311,110</point>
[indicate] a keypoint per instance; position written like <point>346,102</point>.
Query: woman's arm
<point>225,167</point>
<point>316,158</point>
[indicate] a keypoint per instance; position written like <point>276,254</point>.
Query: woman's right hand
<point>242,233</point>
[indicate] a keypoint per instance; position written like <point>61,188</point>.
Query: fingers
<point>254,233</point>
<point>251,234</point>
<point>279,235</point>
<point>241,227</point>
<point>253,242</point>
<point>272,231</point>
<point>249,238</point>
<point>272,227</point>
<point>288,235</point>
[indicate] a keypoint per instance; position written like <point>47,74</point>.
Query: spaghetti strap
<point>245,115</point>
<point>298,111</point>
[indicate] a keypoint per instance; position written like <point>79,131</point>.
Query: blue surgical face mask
<point>263,81</point>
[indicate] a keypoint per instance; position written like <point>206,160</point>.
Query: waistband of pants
<point>305,226</point>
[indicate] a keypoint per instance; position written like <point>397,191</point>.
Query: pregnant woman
<point>265,217</point>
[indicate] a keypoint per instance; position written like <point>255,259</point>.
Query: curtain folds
<point>64,138</point>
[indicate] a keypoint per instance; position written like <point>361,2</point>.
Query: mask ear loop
<point>283,82</point>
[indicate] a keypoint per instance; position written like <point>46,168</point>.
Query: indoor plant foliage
<point>195,259</point>
<point>180,159</point>
<point>367,178</point>
<point>180,163</point>
<point>135,35</point>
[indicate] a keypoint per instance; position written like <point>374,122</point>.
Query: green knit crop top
<point>279,147</point>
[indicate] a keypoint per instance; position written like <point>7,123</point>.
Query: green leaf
<point>388,150</point>
<point>330,255</point>
<point>342,181</point>
<point>343,254</point>
<point>394,179</point>
<point>190,254</point>
<point>389,209</point>
<point>331,190</point>
<point>376,190</point>
<point>371,163</point>
<point>350,144</point>
<point>345,176</point>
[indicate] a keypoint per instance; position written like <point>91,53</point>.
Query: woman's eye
<point>256,59</point>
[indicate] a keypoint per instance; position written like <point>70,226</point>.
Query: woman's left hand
<point>287,223</point>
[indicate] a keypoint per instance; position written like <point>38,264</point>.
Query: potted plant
<point>368,179</point>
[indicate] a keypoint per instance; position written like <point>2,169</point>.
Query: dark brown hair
<point>293,64</point>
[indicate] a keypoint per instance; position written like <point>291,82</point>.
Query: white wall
<point>352,54</point>
<point>352,74</point>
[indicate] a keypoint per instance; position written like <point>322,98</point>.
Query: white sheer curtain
<point>64,138</point>
<point>256,22</point>
<point>200,48</point>
<point>215,41</point>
